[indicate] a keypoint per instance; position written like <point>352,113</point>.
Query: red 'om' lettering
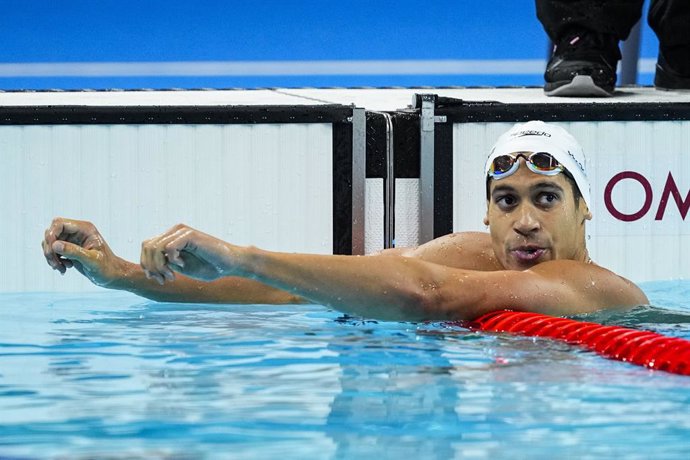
<point>670,190</point>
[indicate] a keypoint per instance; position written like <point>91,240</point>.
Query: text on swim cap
<point>531,132</point>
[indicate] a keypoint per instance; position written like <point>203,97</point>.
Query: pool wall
<point>324,171</point>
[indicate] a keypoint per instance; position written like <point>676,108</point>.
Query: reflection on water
<point>112,375</point>
<point>396,395</point>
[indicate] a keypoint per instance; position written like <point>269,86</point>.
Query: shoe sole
<point>675,90</point>
<point>579,86</point>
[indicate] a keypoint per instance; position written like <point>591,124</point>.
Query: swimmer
<point>534,257</point>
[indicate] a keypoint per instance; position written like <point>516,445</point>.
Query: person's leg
<point>670,20</point>
<point>610,17</point>
<point>585,34</point>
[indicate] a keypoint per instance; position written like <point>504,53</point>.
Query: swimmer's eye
<point>505,201</point>
<point>547,199</point>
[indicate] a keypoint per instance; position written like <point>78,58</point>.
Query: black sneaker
<point>583,64</point>
<point>667,78</point>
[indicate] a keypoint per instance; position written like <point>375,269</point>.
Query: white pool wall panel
<point>407,212</point>
<point>643,249</point>
<point>268,185</point>
<point>374,215</point>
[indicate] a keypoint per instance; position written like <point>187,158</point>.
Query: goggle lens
<point>538,162</point>
<point>502,164</point>
<point>543,161</point>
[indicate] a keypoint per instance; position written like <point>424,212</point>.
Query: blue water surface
<point>112,375</point>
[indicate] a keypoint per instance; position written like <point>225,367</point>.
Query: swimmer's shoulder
<point>465,250</point>
<point>594,281</point>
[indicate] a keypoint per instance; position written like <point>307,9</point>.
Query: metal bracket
<point>427,115</point>
<point>359,173</point>
<point>426,173</point>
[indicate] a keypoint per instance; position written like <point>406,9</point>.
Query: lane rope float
<point>644,348</point>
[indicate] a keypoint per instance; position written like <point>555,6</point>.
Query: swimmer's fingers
<point>148,261</point>
<point>62,229</point>
<point>74,253</point>
<point>172,244</point>
<point>157,260</point>
<point>51,235</point>
<point>199,255</point>
<point>74,230</point>
<point>52,257</point>
<point>166,256</point>
<point>187,251</point>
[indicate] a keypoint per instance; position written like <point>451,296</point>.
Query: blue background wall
<point>80,31</point>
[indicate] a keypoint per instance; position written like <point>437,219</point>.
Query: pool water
<point>114,375</point>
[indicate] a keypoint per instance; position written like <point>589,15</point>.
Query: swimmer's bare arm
<point>88,252</point>
<point>73,243</point>
<point>392,288</point>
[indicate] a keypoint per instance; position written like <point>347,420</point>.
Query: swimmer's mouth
<point>528,254</point>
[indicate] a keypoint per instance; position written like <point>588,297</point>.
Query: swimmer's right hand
<point>75,243</point>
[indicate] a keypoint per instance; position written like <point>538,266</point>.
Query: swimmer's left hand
<point>190,252</point>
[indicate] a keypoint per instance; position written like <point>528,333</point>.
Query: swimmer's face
<point>534,218</point>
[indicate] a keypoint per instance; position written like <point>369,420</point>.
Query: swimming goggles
<point>538,162</point>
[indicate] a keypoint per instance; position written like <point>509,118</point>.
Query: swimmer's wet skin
<point>534,257</point>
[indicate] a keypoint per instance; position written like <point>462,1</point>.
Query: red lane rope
<point>644,348</point>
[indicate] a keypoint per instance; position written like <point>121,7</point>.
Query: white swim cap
<point>537,136</point>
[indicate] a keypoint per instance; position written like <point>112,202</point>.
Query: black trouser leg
<point>670,20</point>
<point>614,17</point>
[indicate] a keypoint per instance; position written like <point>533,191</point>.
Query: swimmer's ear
<point>486,215</point>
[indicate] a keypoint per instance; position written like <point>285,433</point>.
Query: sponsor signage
<point>658,197</point>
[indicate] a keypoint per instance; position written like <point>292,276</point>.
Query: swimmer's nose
<point>526,222</point>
